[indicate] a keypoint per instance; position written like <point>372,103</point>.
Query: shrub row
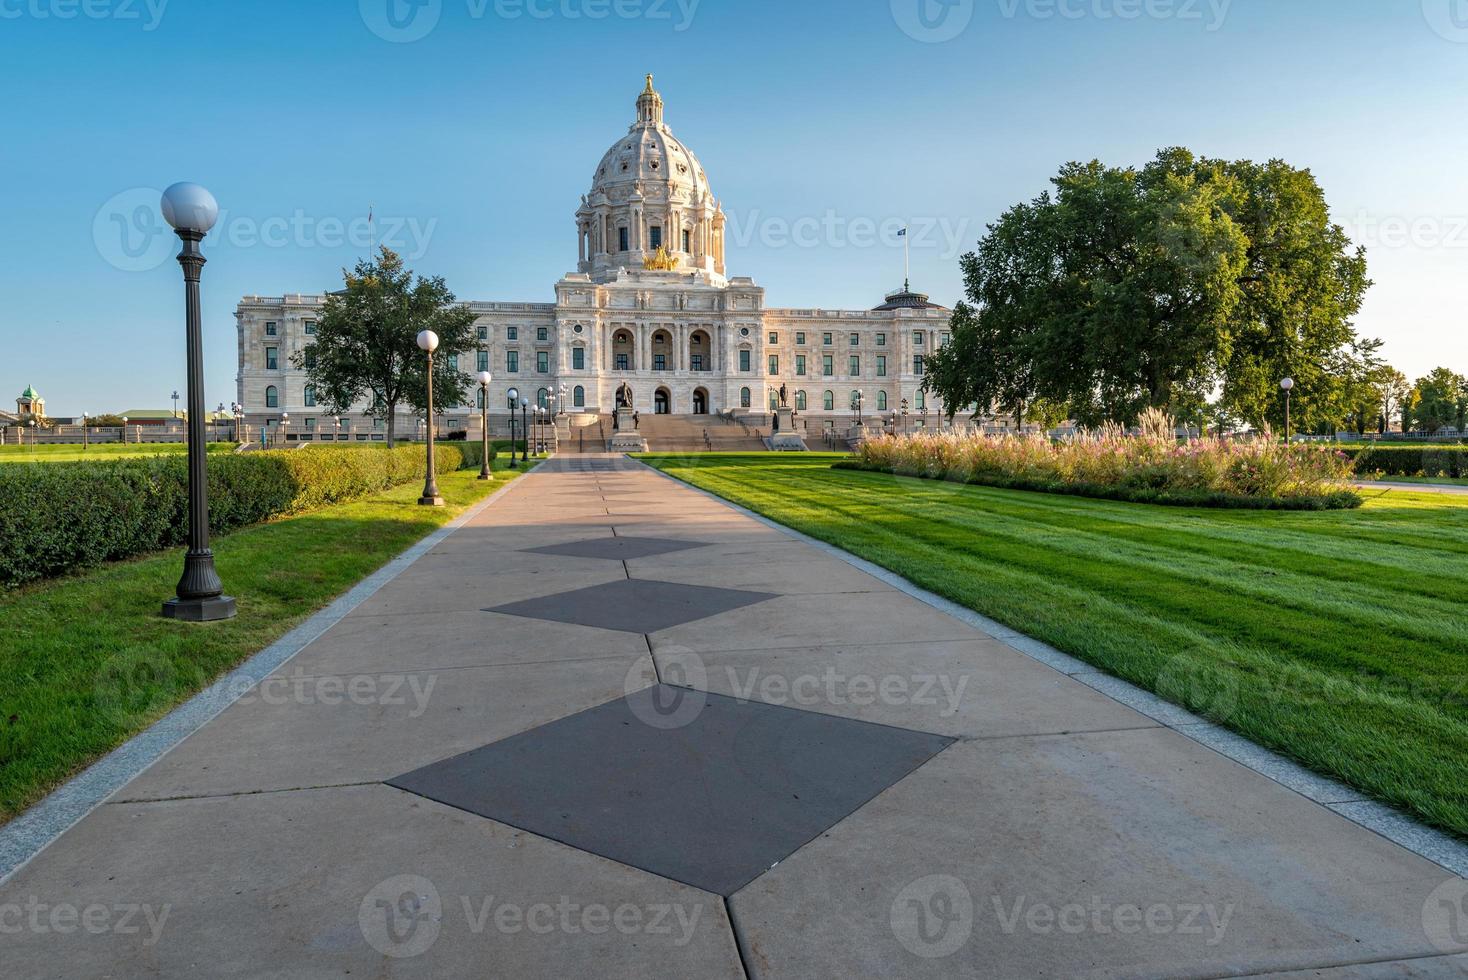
<point>59,517</point>
<point>1411,460</point>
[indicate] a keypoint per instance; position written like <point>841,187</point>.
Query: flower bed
<point>1150,467</point>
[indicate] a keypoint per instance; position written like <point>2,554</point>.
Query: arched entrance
<point>662,402</point>
<point>700,401</point>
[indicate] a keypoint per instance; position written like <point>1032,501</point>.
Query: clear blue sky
<point>819,116</point>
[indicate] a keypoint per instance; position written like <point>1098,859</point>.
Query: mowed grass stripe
<point>1366,681</point>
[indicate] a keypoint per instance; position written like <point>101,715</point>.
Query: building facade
<point>649,305</point>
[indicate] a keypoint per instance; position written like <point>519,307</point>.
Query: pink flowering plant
<point>1149,464</point>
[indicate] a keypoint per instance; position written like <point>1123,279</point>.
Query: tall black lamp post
<point>485,378</point>
<point>192,211</point>
<point>514,396</point>
<point>1288,385</point>
<point>525,427</point>
<point>428,342</point>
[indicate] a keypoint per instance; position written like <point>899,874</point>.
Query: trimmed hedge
<point>1340,500</point>
<point>1411,460</point>
<point>64,516</point>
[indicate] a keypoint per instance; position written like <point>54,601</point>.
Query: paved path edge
<point>25,837</point>
<point>1396,826</point>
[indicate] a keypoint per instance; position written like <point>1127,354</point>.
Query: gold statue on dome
<point>661,262</point>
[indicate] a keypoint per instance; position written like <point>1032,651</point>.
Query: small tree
<point>366,343</point>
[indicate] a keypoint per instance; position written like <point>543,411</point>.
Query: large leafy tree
<point>1124,289</point>
<point>366,346</point>
<point>1443,400</point>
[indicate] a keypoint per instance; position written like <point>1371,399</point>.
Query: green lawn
<point>86,662</point>
<point>1338,638</point>
<point>108,450</point>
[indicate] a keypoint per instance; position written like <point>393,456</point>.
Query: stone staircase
<point>699,434</point>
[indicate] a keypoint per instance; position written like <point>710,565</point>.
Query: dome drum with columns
<point>649,306</point>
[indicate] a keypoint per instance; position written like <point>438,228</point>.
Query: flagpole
<point>372,228</point>
<point>906,261</point>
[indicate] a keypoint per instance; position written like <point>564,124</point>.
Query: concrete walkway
<point>493,768</point>
<point>1449,488</point>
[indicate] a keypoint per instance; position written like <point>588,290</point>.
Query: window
<point>272,358</point>
<point>622,362</point>
<point>826,339</point>
<point>453,362</point>
<point>542,361</point>
<point>917,365</point>
<point>881,365</point>
<point>272,397</point>
<point>622,239</point>
<point>744,360</point>
<point>310,328</point>
<point>800,401</point>
<point>881,340</point>
<point>922,400</point>
<point>855,400</point>
<point>272,329</point>
<point>578,397</point>
<point>774,338</point>
<point>944,338</point>
<point>828,366</point>
<point>512,362</point>
<point>774,365</point>
<point>744,398</point>
<point>800,339</point>
<point>856,340</point>
<point>578,358</point>
<point>481,361</point>
<point>542,398</point>
<point>310,423</point>
<point>687,241</point>
<point>800,365</point>
<point>542,334</point>
<point>479,401</point>
<point>655,237</point>
<point>483,333</point>
<point>828,401</point>
<point>512,333</point>
<point>696,361</point>
<point>660,362</point>
<point>310,396</point>
<point>854,367</point>
<point>917,338</point>
<point>881,401</point>
<point>309,360</point>
<point>774,400</point>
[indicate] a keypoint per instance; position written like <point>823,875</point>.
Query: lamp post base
<point>211,610</point>
<point>485,476</point>
<point>430,501</point>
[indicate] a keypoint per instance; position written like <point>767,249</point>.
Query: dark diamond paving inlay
<point>700,788</point>
<point>617,548</point>
<point>634,605</point>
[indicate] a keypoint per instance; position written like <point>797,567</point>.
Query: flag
<point>902,233</point>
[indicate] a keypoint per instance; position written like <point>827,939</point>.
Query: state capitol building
<point>649,305</point>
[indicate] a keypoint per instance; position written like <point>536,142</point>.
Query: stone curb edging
<point>33,831</point>
<point>1395,826</point>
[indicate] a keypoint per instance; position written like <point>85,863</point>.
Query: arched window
<point>272,397</point>
<point>479,398</point>
<point>800,401</point>
<point>744,398</point>
<point>828,401</point>
<point>855,400</point>
<point>578,397</point>
<point>542,398</point>
<point>881,401</point>
<point>774,399</point>
<point>922,400</point>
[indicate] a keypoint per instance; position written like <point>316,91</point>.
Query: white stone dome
<point>650,194</point>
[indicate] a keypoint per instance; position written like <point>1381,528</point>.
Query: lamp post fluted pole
<point>485,378</point>
<point>514,397</point>
<point>192,211</point>
<point>428,342</point>
<point>1288,384</point>
<point>525,428</point>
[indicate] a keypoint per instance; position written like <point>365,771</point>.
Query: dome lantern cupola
<point>650,106</point>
